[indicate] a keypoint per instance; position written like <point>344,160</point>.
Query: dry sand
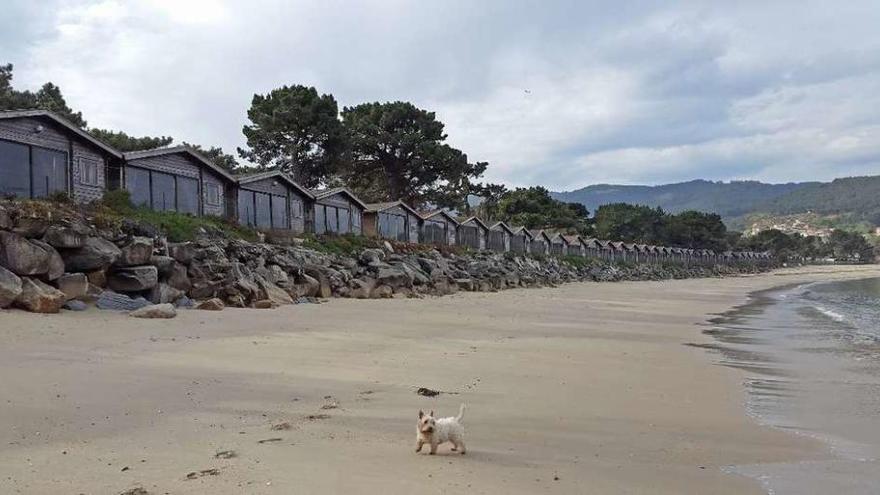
<point>585,388</point>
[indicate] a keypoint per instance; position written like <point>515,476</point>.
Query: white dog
<point>433,431</point>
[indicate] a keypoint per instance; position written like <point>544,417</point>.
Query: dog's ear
<point>421,414</point>
<point>432,413</point>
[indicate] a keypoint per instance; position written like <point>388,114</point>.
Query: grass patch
<point>339,244</point>
<point>178,227</point>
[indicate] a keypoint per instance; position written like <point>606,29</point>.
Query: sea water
<point>812,358</point>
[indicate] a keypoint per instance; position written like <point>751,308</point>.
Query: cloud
<point>562,94</point>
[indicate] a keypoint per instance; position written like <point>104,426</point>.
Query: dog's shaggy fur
<point>434,431</point>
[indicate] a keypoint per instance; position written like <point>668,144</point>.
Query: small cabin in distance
<point>472,232</point>
<point>500,235</point>
<point>42,154</point>
<point>338,211</point>
<point>439,228</point>
<point>179,179</point>
<point>520,240</point>
<point>540,243</point>
<point>273,200</point>
<point>393,220</point>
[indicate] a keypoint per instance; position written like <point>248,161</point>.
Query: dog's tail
<point>460,413</point>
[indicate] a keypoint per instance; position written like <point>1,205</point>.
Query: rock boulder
<point>38,297</point>
<point>10,287</point>
<point>155,311</point>
<point>96,254</point>
<point>133,278</point>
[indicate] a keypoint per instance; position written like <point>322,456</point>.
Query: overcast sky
<point>562,94</point>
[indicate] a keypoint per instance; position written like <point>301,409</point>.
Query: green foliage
<point>840,245</point>
<point>534,208</point>
<point>49,98</point>
<point>296,130</point>
<point>643,224</point>
<point>339,244</point>
<point>178,227</point>
<point>855,195</point>
<point>125,143</point>
<point>398,151</point>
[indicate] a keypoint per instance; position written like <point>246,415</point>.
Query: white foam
<point>831,314</point>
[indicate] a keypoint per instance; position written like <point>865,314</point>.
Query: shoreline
<point>582,386</point>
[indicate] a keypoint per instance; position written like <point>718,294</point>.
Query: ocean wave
<point>831,314</point>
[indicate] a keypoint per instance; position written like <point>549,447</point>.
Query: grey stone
<point>361,289</point>
<point>75,305</point>
<point>394,277</point>
<point>120,302</point>
<point>63,236</point>
<point>55,265</point>
<point>96,253</point>
<point>165,265</point>
<point>39,297</point>
<point>30,227</point>
<point>133,278</point>
<point>155,311</point>
<point>213,304</point>
<point>22,256</point>
<point>138,251</point>
<point>5,219</point>
<point>274,293</point>
<point>183,252</point>
<point>178,278</point>
<point>73,285</point>
<point>163,293</point>
<point>382,292</point>
<point>10,287</point>
<point>184,302</point>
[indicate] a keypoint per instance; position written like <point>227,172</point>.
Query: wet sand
<point>585,388</point>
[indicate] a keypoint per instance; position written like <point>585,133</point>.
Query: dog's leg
<point>461,447</point>
<point>419,444</point>
<point>433,447</point>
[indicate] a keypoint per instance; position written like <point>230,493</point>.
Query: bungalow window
<point>15,176</point>
<point>355,221</point>
<point>296,208</point>
<point>212,194</point>
<point>88,172</point>
<point>344,218</point>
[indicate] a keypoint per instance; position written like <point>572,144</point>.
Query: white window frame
<point>209,189</point>
<point>84,164</point>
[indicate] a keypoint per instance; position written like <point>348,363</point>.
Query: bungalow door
<point>49,172</point>
<point>15,170</point>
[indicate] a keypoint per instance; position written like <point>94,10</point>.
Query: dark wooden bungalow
<point>558,244</point>
<point>472,232</point>
<point>520,240</point>
<point>43,154</point>
<point>273,200</point>
<point>607,250</point>
<point>179,179</point>
<point>439,228</point>
<point>576,246</point>
<point>500,235</point>
<point>592,248</point>
<point>540,243</point>
<point>338,211</point>
<point>393,220</point>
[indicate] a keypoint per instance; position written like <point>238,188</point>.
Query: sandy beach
<point>584,388</point>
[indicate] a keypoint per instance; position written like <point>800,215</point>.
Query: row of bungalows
<point>42,154</point>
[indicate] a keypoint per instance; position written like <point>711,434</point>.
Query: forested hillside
<point>728,199</point>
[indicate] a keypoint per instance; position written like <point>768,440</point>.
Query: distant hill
<point>728,199</point>
<point>850,200</point>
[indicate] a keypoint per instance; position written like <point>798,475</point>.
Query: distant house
<point>393,220</point>
<point>520,240</point>
<point>179,179</point>
<point>576,246</point>
<point>540,243</point>
<point>273,200</point>
<point>439,228</point>
<point>43,154</point>
<point>472,232</point>
<point>558,245</point>
<point>592,248</point>
<point>338,211</point>
<point>500,235</point>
